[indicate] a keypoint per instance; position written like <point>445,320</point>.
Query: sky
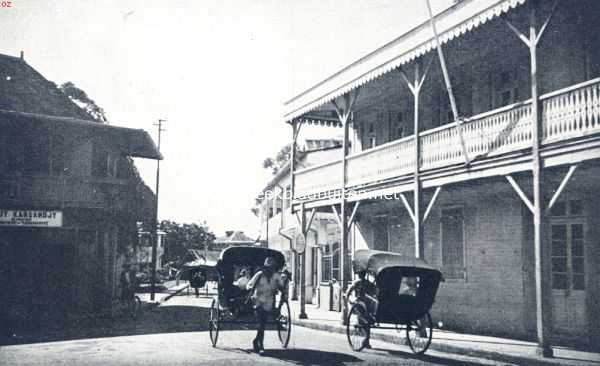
<point>218,71</point>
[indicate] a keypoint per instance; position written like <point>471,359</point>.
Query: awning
<point>133,142</point>
<point>453,22</point>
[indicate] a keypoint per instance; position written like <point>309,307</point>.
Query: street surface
<point>174,345</point>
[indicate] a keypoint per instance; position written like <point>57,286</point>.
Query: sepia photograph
<point>299,182</point>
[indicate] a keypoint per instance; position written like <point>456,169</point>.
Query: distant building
<point>232,238</point>
<point>279,226</point>
<point>70,198</point>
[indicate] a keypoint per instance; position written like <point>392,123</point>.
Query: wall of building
<point>496,294</point>
<point>490,296</point>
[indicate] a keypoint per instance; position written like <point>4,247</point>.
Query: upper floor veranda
<point>57,162</point>
<point>491,77</point>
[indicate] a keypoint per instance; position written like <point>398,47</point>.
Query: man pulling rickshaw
<point>257,304</point>
<point>401,296</point>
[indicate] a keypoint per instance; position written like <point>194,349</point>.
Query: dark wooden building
<point>70,198</point>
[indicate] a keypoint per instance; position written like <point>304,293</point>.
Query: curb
<point>442,347</point>
<point>174,293</point>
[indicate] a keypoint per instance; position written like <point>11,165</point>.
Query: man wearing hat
<point>264,285</point>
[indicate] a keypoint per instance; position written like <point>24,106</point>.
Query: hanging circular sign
<point>300,243</point>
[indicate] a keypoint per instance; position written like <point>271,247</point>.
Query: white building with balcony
<point>498,187</point>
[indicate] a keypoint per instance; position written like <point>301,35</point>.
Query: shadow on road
<point>311,357</point>
<point>163,319</point>
<point>434,360</point>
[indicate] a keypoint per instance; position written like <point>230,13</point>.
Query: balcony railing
<point>566,114</point>
<point>64,191</point>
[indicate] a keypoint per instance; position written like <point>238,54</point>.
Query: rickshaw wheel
<point>419,333</point>
<point>213,322</point>
<point>284,324</point>
<point>357,328</point>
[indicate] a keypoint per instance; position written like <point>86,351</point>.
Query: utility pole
<point>155,219</point>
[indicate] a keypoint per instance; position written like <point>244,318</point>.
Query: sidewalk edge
<point>464,351</point>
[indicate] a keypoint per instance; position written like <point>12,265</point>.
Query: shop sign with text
<point>35,218</point>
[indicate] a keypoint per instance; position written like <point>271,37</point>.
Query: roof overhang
<point>451,23</point>
<point>133,142</point>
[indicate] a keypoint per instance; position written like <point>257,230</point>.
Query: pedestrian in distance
<point>126,282</point>
<point>198,280</point>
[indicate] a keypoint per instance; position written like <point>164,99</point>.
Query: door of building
<point>568,276</point>
<point>54,278</point>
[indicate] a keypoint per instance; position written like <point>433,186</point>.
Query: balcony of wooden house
<point>497,142</point>
<point>56,162</point>
<point>489,70</point>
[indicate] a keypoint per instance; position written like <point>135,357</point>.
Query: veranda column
<point>418,195</point>
<point>543,280</point>
<point>294,258</point>
<point>343,113</point>
<point>416,213</point>
<point>343,209</point>
<point>293,162</point>
<point>542,272</point>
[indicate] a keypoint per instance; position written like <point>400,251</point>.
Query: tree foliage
<point>84,102</point>
<point>181,237</point>
<point>277,162</point>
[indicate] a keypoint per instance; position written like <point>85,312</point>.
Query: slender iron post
<point>418,194</point>
<point>302,260</point>
<point>155,218</point>
<point>542,279</point>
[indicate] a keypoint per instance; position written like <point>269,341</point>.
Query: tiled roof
<point>23,89</point>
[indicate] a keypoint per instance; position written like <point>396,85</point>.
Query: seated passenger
<point>409,286</point>
<point>242,281</point>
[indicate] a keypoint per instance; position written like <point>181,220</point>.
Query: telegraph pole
<point>155,219</point>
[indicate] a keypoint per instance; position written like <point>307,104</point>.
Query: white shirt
<point>265,289</point>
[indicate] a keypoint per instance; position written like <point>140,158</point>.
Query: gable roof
<point>24,89</point>
<point>29,99</point>
<point>237,237</point>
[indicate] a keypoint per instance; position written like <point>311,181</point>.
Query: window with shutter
<point>453,245</point>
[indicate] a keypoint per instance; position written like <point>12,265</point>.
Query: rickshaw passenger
<point>366,292</point>
<point>238,293</point>
<point>409,286</point>
<point>264,285</point>
<point>243,280</point>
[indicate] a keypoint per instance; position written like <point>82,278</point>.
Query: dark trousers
<point>261,316</point>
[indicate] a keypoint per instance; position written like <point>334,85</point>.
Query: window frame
<point>464,243</point>
<point>569,220</point>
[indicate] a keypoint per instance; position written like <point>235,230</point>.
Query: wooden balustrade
<point>571,112</point>
<point>72,191</point>
<point>566,114</point>
<point>318,179</point>
<point>383,162</point>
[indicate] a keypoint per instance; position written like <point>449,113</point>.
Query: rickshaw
<point>406,289</point>
<point>199,274</point>
<point>234,306</point>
